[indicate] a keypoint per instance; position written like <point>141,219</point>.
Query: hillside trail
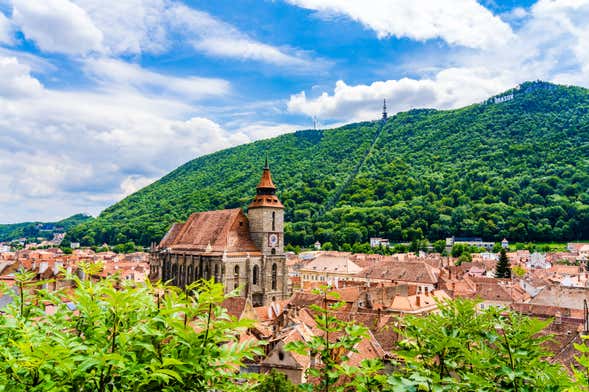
<point>332,201</point>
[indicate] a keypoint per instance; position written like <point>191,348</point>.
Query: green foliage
<point>582,374</point>
<point>519,169</point>
<point>330,349</point>
<point>460,349</point>
<point>503,269</point>
<point>120,338</point>
<point>39,229</point>
<point>128,247</point>
<point>275,382</point>
<point>439,246</point>
<point>518,271</point>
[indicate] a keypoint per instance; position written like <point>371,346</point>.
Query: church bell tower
<point>266,217</point>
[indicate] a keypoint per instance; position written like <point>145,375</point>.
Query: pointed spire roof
<point>266,180</point>
<point>266,190</point>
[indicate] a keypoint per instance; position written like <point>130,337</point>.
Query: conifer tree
<point>503,269</point>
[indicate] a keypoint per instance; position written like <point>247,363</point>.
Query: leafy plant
<point>111,335</point>
<point>330,349</point>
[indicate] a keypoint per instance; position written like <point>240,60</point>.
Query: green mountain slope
<point>517,169</point>
<point>40,229</point>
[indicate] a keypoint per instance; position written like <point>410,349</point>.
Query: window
<point>216,272</point>
<point>273,251</point>
<point>273,221</point>
<point>274,275</point>
<point>236,276</point>
<point>256,272</point>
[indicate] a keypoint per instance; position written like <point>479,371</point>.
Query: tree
<point>120,337</point>
<point>461,349</point>
<point>275,382</point>
<point>503,268</point>
<point>440,246</point>
<point>331,348</point>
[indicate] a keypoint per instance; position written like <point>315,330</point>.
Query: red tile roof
<point>212,231</point>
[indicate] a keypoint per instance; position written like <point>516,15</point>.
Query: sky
<point>100,98</point>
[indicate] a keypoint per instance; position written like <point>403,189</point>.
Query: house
<point>538,260</point>
<point>330,269</point>
<point>418,273</point>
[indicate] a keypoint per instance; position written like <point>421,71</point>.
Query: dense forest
<point>35,230</point>
<point>517,169</point>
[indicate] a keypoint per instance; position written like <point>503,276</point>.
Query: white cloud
<point>219,39</point>
<point>550,44</point>
<point>57,26</point>
<point>111,72</point>
<point>16,79</point>
<point>450,88</point>
<point>141,26</point>
<point>70,151</point>
<point>460,22</point>
<point>6,30</point>
<point>131,26</point>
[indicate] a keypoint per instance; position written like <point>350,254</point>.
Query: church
<point>238,250</point>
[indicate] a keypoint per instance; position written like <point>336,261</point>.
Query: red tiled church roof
<point>211,231</point>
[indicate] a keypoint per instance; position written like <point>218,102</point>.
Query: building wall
<point>182,269</point>
<point>260,223</point>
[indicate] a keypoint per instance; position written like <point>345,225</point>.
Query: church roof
<point>266,180</point>
<point>211,231</point>
<point>266,191</point>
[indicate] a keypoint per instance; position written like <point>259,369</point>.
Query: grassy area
<point>543,246</point>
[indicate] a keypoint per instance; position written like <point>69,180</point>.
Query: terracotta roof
<point>417,272</point>
<point>212,231</point>
<point>266,201</point>
<point>332,264</point>
<point>265,196</point>
<point>566,297</point>
<point>266,180</point>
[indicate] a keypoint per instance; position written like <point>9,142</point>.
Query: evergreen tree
<point>503,269</point>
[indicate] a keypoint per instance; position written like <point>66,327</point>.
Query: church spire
<point>266,190</point>
<point>384,110</point>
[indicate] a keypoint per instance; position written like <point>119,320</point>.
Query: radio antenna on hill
<point>315,123</point>
<point>384,110</point>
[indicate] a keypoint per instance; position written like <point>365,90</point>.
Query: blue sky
<point>98,99</point>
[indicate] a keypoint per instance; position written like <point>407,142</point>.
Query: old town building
<point>245,252</point>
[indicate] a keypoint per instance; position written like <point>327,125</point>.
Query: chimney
<point>418,301</point>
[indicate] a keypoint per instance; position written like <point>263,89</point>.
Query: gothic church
<point>234,249</point>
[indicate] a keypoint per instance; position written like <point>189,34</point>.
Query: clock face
<point>273,239</point>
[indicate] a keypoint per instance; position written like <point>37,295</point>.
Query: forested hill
<point>34,230</point>
<point>515,168</point>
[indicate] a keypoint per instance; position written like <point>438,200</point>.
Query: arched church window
<point>236,276</point>
<point>273,251</point>
<point>274,275</point>
<point>190,277</point>
<point>256,273</point>
<point>216,272</point>
<point>182,279</point>
<point>273,221</point>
